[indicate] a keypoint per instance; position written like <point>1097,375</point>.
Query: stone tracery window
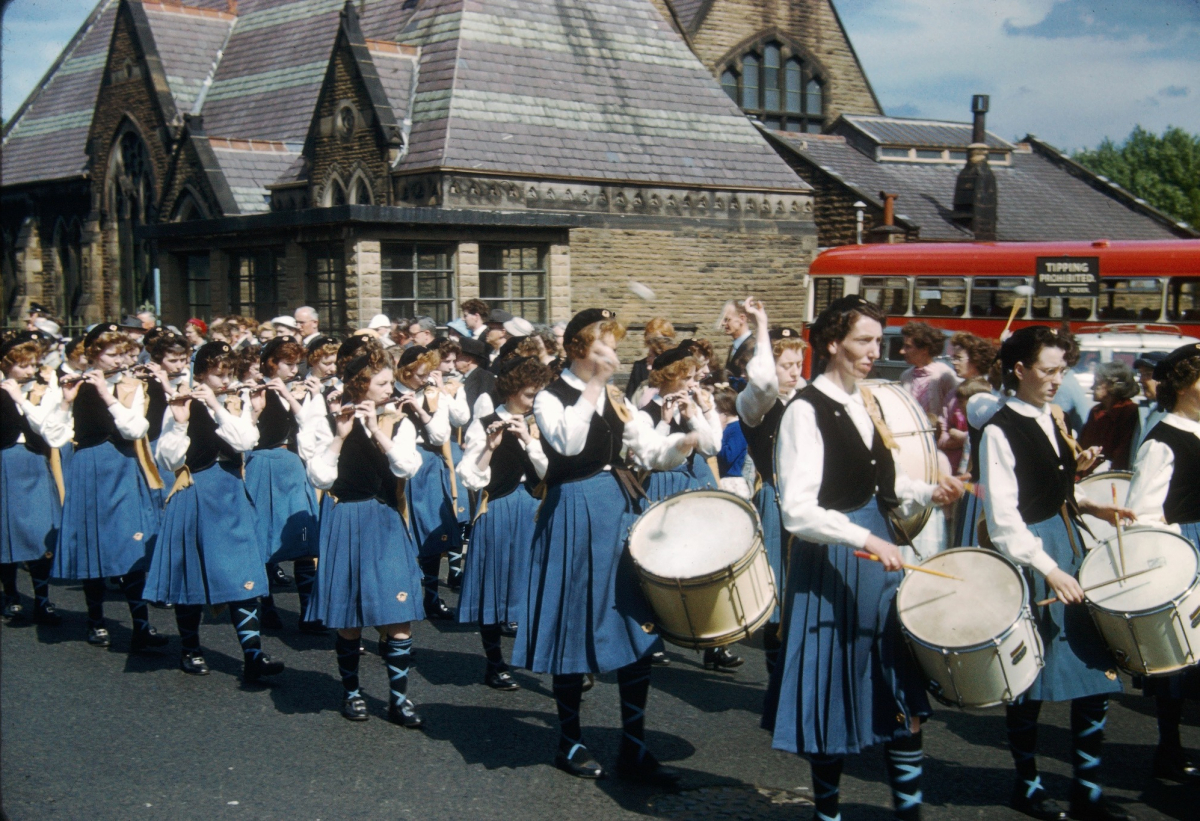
<point>777,86</point>
<point>130,205</point>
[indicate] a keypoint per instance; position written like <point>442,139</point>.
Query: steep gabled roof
<point>189,40</point>
<point>249,167</point>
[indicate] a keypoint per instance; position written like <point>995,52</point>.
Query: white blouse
<point>477,478</point>
<point>1153,470</point>
<point>762,388</point>
<point>706,425</point>
<point>47,418</point>
<point>437,431</point>
<point>170,451</point>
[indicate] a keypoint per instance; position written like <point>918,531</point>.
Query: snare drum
<point>975,639</point>
<point>1099,488</point>
<point>916,438</point>
<point>700,558</point>
<point>1151,622</point>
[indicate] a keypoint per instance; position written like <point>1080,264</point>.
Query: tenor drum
<point>701,562</point>
<point>1151,621</point>
<point>916,437</point>
<point>975,639</point>
<point>1099,488</point>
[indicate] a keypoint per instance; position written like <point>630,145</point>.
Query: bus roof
<point>1118,258</point>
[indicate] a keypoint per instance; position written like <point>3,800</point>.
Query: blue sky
<point>1069,71</point>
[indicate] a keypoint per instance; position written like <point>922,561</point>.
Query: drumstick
<point>1021,291</point>
<point>1053,599</point>
<point>1120,536</point>
<point>862,554</point>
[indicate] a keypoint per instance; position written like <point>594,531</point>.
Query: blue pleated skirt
<point>966,516</point>
<point>1185,683</point>
<point>846,680</point>
<point>110,517</point>
<point>1078,662</point>
<point>766,502</point>
<point>661,484</point>
<point>30,513</point>
<point>703,472</point>
<point>367,574</point>
<point>584,610</point>
<point>431,507</point>
<point>285,502</point>
<point>208,550</point>
<point>496,575</point>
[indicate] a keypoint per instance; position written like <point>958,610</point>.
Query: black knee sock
<point>904,766</point>
<point>430,567</point>
<point>634,683</point>
<point>1022,743</point>
<point>8,580</point>
<point>826,777</point>
<point>266,604</point>
<point>187,619</point>
<point>1088,716</point>
<point>490,634</point>
<point>1170,714</point>
<point>347,658</point>
<point>568,694</point>
<point>397,656</point>
<point>454,559</point>
<point>771,646</point>
<point>306,576</point>
<point>39,574</point>
<point>93,593</point>
<point>244,615</point>
<point>132,585</point>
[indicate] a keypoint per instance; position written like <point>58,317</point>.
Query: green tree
<point>1164,171</point>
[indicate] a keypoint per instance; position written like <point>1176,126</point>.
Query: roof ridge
<point>178,7</point>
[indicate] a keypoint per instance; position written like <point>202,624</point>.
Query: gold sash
<point>126,390</point>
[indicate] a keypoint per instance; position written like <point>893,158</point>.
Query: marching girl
<point>430,492</point>
<point>584,610</point>
<point>368,573</point>
<point>209,549</point>
<point>31,424</point>
<point>283,497</point>
<point>1166,488</point>
<point>460,416</point>
<point>112,508</point>
<point>314,429</point>
<point>168,367</point>
<point>502,462</point>
<point>845,681</point>
<point>1027,464</point>
<point>772,379</point>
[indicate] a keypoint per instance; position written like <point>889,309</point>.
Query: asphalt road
<point>95,734</point>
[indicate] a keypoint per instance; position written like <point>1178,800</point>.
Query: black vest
<point>510,463</point>
<point>602,448</point>
<point>761,441</point>
<point>974,437</point>
<point>276,424</point>
<point>1182,505</point>
<point>477,383</point>
<point>204,446</point>
<point>852,473</point>
<point>13,423</point>
<point>1045,479</point>
<point>422,434</point>
<point>155,409</point>
<point>93,422</point>
<point>363,470</point>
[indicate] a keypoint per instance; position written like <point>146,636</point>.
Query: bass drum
<point>1099,488</point>
<point>916,437</point>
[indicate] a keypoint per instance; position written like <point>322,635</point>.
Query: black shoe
<point>454,581</point>
<point>719,658</point>
<point>147,641</point>
<point>660,659</point>
<point>277,579</point>
<point>1174,765</point>
<point>438,611</point>
<point>1040,806</point>
<point>261,665</point>
<point>501,680</point>
<point>647,771</point>
<point>355,708</point>
<point>13,611</point>
<point>508,628</point>
<point>579,764</point>
<point>193,664</point>
<point>268,619</point>
<point>313,628</point>
<point>405,715</point>
<point>98,637</point>
<point>589,681</point>
<point>1102,810</point>
<point>47,615</point>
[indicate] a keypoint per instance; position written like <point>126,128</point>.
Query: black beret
<point>355,366</point>
<point>511,364</point>
<point>13,340</point>
<point>681,351</point>
<point>208,353</point>
<point>153,334</point>
<point>274,344</point>
<point>38,308</point>
<point>850,302</point>
<point>1149,359</point>
<point>474,347</point>
<point>351,346</point>
<point>1174,357</point>
<point>499,315</point>
<point>166,338</point>
<point>581,320</point>
<point>777,334</point>
<point>1022,345</point>
<point>98,330</point>
<point>131,323</point>
<point>320,341</point>
<point>411,354</point>
<point>510,345</point>
<point>72,344</point>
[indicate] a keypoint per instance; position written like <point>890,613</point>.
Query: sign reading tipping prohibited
<point>1068,276</point>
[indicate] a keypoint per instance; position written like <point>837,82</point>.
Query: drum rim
<point>1158,608</point>
<point>1109,475</point>
<point>734,569</point>
<point>744,504</point>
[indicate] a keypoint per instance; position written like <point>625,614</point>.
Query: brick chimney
<point>975,195</point>
<point>888,232</point>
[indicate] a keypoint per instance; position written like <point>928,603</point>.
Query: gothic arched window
<point>68,245</point>
<point>778,87</point>
<point>131,205</point>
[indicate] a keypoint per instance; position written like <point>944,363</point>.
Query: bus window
<point>825,291</point>
<point>1088,360</point>
<point>1078,308</point>
<point>1183,299</point>
<point>1139,299</point>
<point>940,296</point>
<point>889,293</point>
<point>993,297</point>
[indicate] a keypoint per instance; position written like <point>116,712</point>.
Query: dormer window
<point>777,87</point>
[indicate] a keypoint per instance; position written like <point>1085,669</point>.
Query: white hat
<point>48,326</point>
<point>379,321</point>
<point>518,326</point>
<point>286,321</point>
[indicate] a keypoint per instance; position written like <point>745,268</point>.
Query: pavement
<point>100,734</point>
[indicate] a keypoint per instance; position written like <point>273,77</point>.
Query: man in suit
<point>737,326</point>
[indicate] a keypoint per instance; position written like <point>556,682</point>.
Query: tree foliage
<point>1164,171</point>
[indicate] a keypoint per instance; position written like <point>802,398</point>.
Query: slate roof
<point>62,105</point>
<point>189,46</point>
<point>1039,199</point>
<point>397,73</point>
<point>687,11</point>
<point>898,131</point>
<point>249,170</point>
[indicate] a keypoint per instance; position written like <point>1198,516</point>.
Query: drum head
<point>956,614</point>
<point>1099,488</point>
<point>693,534</point>
<point>1175,560</point>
